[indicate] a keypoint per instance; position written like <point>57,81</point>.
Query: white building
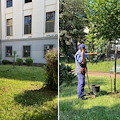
<point>29,27</point>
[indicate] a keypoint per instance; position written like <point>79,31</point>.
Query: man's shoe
<point>83,98</point>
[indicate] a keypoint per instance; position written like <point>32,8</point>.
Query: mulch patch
<point>117,95</point>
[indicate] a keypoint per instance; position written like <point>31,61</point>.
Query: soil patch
<point>115,95</point>
<point>103,74</point>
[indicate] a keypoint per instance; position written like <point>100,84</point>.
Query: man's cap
<point>82,46</point>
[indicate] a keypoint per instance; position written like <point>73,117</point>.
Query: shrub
<point>19,61</point>
<point>51,69</point>
<point>65,74</point>
<point>5,62</point>
<point>29,61</point>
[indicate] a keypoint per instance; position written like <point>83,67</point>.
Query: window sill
<point>10,36</point>
<point>27,3</point>
<point>27,34</point>
<point>48,32</point>
<point>9,7</point>
<point>26,57</point>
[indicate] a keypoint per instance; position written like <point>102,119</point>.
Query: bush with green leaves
<point>65,74</point>
<point>29,61</point>
<point>5,62</point>
<point>19,61</point>
<point>51,69</point>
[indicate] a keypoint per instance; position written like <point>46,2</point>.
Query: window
<point>26,51</point>
<point>50,21</point>
<point>47,47</point>
<point>9,3</point>
<point>27,25</point>
<point>8,51</point>
<point>9,27</point>
<point>26,1</point>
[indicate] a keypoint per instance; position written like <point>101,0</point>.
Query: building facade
<point>29,27</point>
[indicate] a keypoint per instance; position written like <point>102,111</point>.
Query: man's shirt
<point>79,56</point>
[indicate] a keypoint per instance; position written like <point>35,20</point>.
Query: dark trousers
<point>81,84</point>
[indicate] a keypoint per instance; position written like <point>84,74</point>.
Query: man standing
<point>80,62</point>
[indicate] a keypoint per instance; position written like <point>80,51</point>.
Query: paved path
<point>103,74</point>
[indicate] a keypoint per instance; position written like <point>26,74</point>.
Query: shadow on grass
<point>38,115</point>
<point>37,96</point>
<point>94,113</point>
<point>101,113</point>
<point>101,93</point>
<point>70,90</point>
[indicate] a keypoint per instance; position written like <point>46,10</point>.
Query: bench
<point>117,69</point>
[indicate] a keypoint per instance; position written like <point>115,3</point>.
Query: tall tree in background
<point>71,24</point>
<point>104,22</point>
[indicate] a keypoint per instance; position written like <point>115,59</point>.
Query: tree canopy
<point>104,23</point>
<point>71,23</point>
<point>102,17</point>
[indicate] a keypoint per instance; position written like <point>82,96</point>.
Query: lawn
<point>101,66</point>
<point>23,95</point>
<point>104,107</point>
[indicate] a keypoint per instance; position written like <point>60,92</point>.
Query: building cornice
<point>30,39</point>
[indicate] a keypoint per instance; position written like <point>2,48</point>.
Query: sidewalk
<point>103,74</point>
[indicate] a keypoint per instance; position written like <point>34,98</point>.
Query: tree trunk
<point>65,51</point>
<point>115,71</point>
<point>76,45</point>
<point>14,61</point>
<point>66,55</point>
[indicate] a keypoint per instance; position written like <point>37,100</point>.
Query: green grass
<point>22,95</point>
<point>103,107</point>
<point>101,66</point>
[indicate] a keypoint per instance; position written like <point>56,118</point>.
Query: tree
<point>14,58</point>
<point>63,39</point>
<point>104,23</point>
<point>71,24</point>
<point>103,17</point>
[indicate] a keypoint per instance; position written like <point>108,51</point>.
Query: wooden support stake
<point>88,81</point>
<point>115,71</point>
